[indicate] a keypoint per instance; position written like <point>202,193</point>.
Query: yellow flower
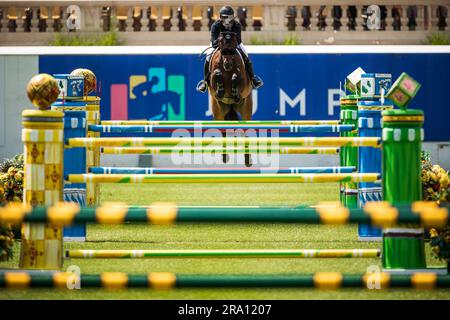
<point>433,176</point>
<point>433,233</point>
<point>444,182</point>
<point>12,171</point>
<point>18,176</point>
<point>16,199</point>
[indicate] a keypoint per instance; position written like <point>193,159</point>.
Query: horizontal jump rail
<point>225,178</point>
<point>219,142</point>
<point>294,253</point>
<point>292,128</point>
<point>161,170</point>
<point>374,213</point>
<point>168,280</point>
<point>219,150</point>
<point>221,123</point>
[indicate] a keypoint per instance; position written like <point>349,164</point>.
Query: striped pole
<point>349,154</point>
<point>168,280</point>
<point>92,153</point>
<point>292,128</point>
<point>170,150</point>
<point>42,135</point>
<point>222,123</point>
<point>160,170</point>
<point>218,142</point>
<point>370,125</point>
<point>380,214</point>
<point>75,115</point>
<point>403,248</point>
<point>299,253</point>
<point>224,178</point>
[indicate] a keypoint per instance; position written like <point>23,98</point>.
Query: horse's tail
<point>231,115</point>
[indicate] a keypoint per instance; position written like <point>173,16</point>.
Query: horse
<point>230,87</point>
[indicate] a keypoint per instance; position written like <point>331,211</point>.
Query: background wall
<point>301,82</point>
<point>15,72</point>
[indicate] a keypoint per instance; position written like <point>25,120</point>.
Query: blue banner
<point>296,86</point>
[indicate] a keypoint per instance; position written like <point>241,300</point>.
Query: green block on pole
<point>403,90</point>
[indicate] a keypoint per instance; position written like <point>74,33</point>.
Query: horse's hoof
<point>225,158</point>
<point>248,160</point>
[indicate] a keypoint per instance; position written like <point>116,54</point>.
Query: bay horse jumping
<point>230,86</point>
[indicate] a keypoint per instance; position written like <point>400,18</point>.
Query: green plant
<point>438,39</point>
<point>6,242</point>
<point>11,179</point>
<point>11,189</point>
<point>436,187</point>
<point>435,181</point>
<point>290,40</point>
<point>101,39</point>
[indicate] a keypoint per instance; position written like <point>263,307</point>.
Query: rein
<point>200,56</point>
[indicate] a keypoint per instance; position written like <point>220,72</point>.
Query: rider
<point>227,22</point>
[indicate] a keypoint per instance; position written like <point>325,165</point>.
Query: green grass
<point>230,236</point>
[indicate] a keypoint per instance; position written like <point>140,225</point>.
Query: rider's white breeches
<point>241,46</point>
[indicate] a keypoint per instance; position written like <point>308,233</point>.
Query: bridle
<point>227,52</point>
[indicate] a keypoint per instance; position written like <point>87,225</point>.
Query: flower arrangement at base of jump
<point>436,187</point>
<point>435,182</point>
<point>11,190</point>
<point>11,180</point>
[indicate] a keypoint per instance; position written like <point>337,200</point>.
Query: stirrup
<point>257,82</point>
<point>202,86</point>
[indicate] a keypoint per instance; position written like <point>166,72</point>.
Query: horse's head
<point>227,46</point>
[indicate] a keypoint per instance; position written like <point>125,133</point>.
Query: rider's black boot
<point>256,81</point>
<point>202,86</point>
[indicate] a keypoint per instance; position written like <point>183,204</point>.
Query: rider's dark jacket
<point>217,27</point>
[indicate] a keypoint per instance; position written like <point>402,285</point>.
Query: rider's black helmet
<point>226,14</point>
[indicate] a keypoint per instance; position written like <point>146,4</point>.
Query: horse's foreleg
<point>225,157</point>
<point>234,88</point>
<point>220,91</point>
<point>246,115</point>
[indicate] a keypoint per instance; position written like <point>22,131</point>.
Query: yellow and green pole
<point>169,281</point>
<point>348,154</point>
<point>262,253</point>
<point>42,135</point>
<point>92,152</point>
